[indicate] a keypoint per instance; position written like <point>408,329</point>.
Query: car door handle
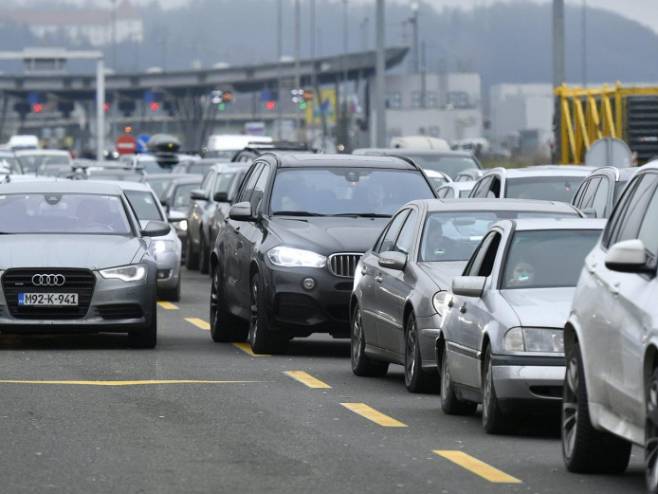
<point>462,309</point>
<point>379,278</point>
<point>237,228</point>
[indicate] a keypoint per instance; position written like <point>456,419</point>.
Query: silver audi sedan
<point>501,341</point>
<point>74,259</point>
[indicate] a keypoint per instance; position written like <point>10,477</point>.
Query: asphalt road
<point>88,414</point>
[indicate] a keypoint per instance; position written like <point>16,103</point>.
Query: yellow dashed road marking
<point>168,306</point>
<point>373,415</point>
<point>127,383</point>
<point>199,323</point>
<point>246,348</point>
<point>307,379</point>
<point>478,467</point>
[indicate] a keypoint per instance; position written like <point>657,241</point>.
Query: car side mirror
<point>156,229</point>
<point>176,216</point>
<point>241,212</point>
<point>220,197</point>
<point>468,286</point>
<point>392,260</point>
<point>198,195</point>
<point>589,213</point>
<point>629,256</point>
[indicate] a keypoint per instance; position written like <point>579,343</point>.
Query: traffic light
<point>65,108</point>
<point>37,107</point>
<point>22,108</point>
<point>154,106</point>
<point>127,107</point>
<point>308,95</point>
<point>106,107</point>
<point>270,105</point>
<point>227,97</point>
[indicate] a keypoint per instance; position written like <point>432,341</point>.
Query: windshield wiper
<point>363,215</point>
<point>296,213</point>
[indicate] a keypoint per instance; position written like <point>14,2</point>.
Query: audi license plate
<point>48,299</point>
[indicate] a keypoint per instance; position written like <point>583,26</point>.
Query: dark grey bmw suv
<point>283,265</point>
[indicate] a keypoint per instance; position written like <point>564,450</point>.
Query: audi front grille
<point>344,264</point>
<point>80,281</point>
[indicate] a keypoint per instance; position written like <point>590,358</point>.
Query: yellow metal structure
<point>589,114</point>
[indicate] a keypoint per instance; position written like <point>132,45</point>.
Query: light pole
<point>380,67</point>
<point>413,20</point>
<point>114,34</point>
<point>365,38</point>
<point>279,55</point>
<point>298,67</point>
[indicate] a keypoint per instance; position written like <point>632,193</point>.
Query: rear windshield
<point>182,195</point>
<point>537,259</point>
<point>453,236</point>
<point>38,162</point>
<point>199,168</point>
<point>553,188</point>
<point>63,213</point>
<point>159,185</point>
<point>346,191</point>
<point>143,203</point>
<point>450,165</point>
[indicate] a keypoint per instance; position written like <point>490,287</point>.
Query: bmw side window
<point>649,228</point>
<point>482,188</point>
<point>407,234</point>
<point>259,189</point>
<point>578,198</point>
<point>245,193</point>
<point>610,232</point>
<point>494,190</point>
<point>388,242</point>
<point>630,224</point>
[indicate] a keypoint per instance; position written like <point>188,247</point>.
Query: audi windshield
<point>63,213</point>
<point>346,191</point>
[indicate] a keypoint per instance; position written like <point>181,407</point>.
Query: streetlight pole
<point>365,39</point>
<point>380,67</point>
<point>298,68</point>
<point>415,7</point>
<point>279,55</point>
<point>114,34</point>
<point>558,43</point>
<point>100,108</point>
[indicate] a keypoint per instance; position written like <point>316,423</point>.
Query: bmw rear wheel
<point>224,326</point>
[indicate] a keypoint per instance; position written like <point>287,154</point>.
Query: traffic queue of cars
<point>520,299</point>
<point>478,299</point>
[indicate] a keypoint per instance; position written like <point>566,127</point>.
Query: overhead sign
<point>126,144</point>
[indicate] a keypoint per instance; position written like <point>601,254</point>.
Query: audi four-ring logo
<point>48,280</point>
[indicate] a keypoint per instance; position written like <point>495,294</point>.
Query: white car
<point>611,342</point>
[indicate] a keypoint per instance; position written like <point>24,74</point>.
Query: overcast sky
<point>644,11</point>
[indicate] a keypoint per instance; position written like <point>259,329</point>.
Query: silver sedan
<point>501,341</point>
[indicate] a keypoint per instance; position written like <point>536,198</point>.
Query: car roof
<point>237,165</point>
<point>542,171</point>
<point>619,174</point>
<point>61,187</point>
<point>459,185</point>
<point>531,224</point>
<point>304,160</point>
<point>191,178</point>
<point>410,152</point>
<point>42,152</point>
<point>486,204</point>
<point>127,185</point>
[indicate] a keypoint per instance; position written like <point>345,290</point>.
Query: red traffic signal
<point>270,105</point>
<point>106,107</point>
<point>154,105</point>
<point>37,107</point>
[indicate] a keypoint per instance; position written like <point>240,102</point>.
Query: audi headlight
<point>290,257</point>
<point>134,272</point>
<point>534,340</point>
<point>440,302</point>
<point>160,246</point>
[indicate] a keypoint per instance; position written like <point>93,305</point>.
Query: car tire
<point>362,365</point>
<point>146,337</point>
<point>224,326</point>
<point>171,294</point>
<point>450,403</point>
<point>416,380</point>
<point>651,434</point>
<point>204,258</point>
<point>263,338</point>
<point>494,419</point>
<point>584,448</point>
<point>192,258</point>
